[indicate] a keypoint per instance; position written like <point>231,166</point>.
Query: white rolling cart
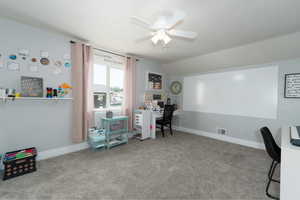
<point>142,123</point>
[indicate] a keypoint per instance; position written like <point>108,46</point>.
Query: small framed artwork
<point>292,85</point>
<point>154,81</point>
<point>31,86</point>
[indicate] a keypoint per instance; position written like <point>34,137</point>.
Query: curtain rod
<point>106,51</point>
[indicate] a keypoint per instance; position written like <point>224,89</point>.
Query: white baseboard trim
<point>77,147</point>
<point>61,151</point>
<point>224,138</point>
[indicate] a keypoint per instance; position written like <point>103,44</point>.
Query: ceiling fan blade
<point>183,34</point>
<point>177,17</point>
<point>142,22</point>
<point>145,38</point>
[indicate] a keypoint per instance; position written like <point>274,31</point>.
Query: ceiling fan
<point>163,28</point>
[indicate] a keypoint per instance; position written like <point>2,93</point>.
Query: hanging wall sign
<point>13,66</point>
<point>67,64</point>
<point>44,54</point>
<point>292,85</point>
<point>23,53</point>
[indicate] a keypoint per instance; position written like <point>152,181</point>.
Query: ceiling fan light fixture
<point>166,39</point>
<point>161,36</point>
<point>155,39</point>
<point>162,30</point>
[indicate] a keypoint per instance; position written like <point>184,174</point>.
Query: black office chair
<point>274,152</point>
<point>166,120</point>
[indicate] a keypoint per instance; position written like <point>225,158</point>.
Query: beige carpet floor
<point>183,166</point>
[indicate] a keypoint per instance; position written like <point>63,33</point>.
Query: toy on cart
<point>97,138</point>
<point>17,163</point>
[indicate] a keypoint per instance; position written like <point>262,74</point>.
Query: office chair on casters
<point>274,152</point>
<point>167,119</point>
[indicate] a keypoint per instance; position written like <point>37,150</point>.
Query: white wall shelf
<point>34,98</point>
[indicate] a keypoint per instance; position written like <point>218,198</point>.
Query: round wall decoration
<point>44,61</point>
<point>176,87</point>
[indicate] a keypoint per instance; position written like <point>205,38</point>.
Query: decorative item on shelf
<point>31,86</point>
<point>18,95</point>
<point>49,92</point>
<point>10,92</point>
<point>63,90</point>
<point>109,114</point>
<point>55,93</point>
<point>60,92</point>
<point>2,92</point>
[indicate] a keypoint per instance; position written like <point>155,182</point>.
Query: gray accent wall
<point>247,128</point>
<point>40,123</point>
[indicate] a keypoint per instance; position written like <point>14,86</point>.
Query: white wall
<point>144,66</point>
<point>43,124</point>
<point>246,128</point>
<point>274,49</point>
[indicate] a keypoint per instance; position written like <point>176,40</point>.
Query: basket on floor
<point>17,163</point>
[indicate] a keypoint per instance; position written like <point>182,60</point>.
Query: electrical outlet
<point>222,131</point>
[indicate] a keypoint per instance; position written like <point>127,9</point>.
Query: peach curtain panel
<point>129,90</point>
<point>82,117</point>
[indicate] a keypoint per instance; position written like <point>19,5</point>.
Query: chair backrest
<point>272,148</point>
<point>168,113</point>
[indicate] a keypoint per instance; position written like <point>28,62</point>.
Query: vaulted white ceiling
<point>220,24</point>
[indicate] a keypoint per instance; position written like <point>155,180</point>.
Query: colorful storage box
<point>17,163</point>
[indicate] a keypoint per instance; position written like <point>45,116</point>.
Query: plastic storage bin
<point>97,138</point>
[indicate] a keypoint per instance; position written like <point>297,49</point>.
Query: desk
<point>154,117</point>
<point>289,167</point>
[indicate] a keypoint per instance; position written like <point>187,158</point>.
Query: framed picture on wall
<point>154,81</point>
<point>292,85</point>
<point>31,86</point>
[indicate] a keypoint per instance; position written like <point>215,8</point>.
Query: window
<point>99,74</point>
<point>108,80</point>
<point>116,86</point>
